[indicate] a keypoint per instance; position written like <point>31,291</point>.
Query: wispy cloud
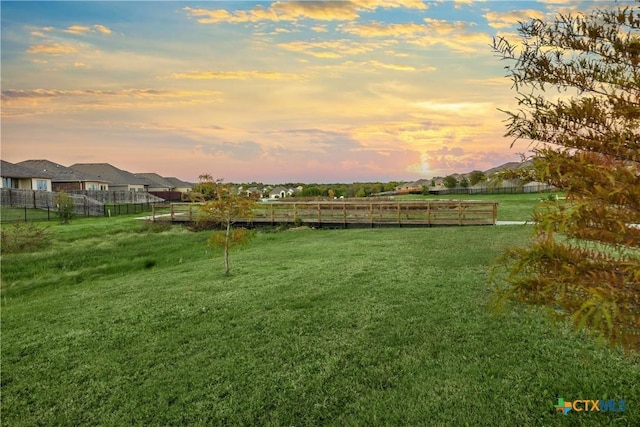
<point>507,19</point>
<point>236,75</point>
<point>52,49</point>
<point>465,42</point>
<point>102,29</point>
<point>299,10</point>
<point>457,35</point>
<point>379,29</point>
<point>333,48</point>
<point>21,102</point>
<point>77,29</point>
<point>84,29</point>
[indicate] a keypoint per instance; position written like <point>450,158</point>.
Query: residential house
<point>169,189</point>
<point>155,182</point>
<point>254,192</point>
<point>179,185</point>
<point>118,179</point>
<point>64,178</point>
<point>20,177</point>
<point>413,187</point>
<point>278,193</point>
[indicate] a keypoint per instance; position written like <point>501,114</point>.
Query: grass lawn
<point>511,207</point>
<point>121,324</point>
<point>8,214</point>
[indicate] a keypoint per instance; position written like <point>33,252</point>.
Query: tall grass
<point>119,324</point>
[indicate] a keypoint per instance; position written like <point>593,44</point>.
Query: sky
<point>271,92</point>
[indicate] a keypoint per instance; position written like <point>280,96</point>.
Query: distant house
<point>413,187</point>
<point>254,192</point>
<point>179,185</point>
<point>278,193</point>
<point>155,182</point>
<point>64,178</point>
<point>119,180</point>
<point>20,177</point>
<point>169,189</point>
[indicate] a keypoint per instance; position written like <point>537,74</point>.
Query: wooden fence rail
<point>351,214</point>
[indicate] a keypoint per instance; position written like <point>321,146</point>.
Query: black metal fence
<point>34,205</point>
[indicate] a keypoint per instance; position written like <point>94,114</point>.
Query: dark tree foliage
<point>476,177</point>
<point>450,181</point>
<point>577,80</point>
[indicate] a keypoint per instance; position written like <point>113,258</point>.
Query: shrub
<point>24,237</point>
<point>65,207</point>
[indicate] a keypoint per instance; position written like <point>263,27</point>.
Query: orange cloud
<point>77,29</point>
<point>102,29</point>
<point>453,34</point>
<point>83,29</point>
<point>331,48</point>
<point>235,75</point>
<point>441,27</point>
<point>297,10</point>
<point>379,29</point>
<point>52,49</point>
<point>465,42</point>
<point>507,19</point>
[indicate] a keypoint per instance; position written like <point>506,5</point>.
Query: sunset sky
<point>273,92</point>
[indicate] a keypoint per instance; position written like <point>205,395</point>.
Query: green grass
<point>511,207</point>
<point>8,214</point>
<point>119,324</point>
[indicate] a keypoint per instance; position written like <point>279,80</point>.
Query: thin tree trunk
<point>227,237</point>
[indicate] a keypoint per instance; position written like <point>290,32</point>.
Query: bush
<point>24,237</point>
<point>65,207</point>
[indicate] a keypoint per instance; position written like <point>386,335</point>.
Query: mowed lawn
<point>120,324</point>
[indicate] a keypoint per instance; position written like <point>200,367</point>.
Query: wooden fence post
<point>371,214</point>
<point>495,213</point>
<point>344,214</point>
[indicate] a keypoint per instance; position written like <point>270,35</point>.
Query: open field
<point>512,207</point>
<point>121,323</point>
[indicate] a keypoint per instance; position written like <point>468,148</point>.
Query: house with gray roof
<point>118,179</point>
<point>179,185</point>
<point>156,182</point>
<point>20,177</point>
<point>64,178</point>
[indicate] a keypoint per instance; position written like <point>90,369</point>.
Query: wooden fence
<point>46,200</point>
<point>346,214</point>
<point>83,202</point>
<point>121,196</point>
